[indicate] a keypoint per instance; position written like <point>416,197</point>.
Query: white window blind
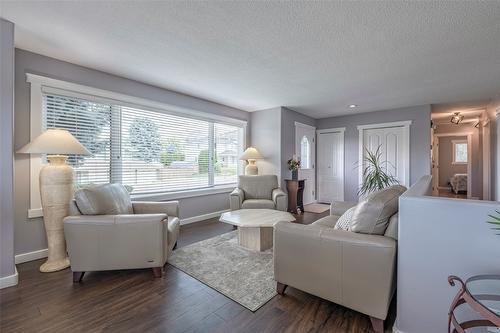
<point>90,123</point>
<point>154,152</point>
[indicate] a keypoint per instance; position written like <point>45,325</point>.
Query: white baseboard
<point>9,281</point>
<point>39,254</point>
<point>202,217</point>
<point>30,256</point>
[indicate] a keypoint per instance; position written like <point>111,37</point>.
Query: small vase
<point>295,174</point>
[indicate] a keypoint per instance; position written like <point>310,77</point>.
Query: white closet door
<point>330,166</point>
<point>393,148</point>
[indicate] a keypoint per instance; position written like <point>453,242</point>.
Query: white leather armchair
<point>258,192</point>
<point>351,269</point>
<point>142,238</point>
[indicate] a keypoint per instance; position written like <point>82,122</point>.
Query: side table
<point>295,189</point>
<point>482,294</point>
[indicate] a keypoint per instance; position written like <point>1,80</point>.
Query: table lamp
<point>251,155</point>
<point>56,189</point>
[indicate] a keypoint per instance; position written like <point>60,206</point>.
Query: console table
<point>482,294</point>
<point>295,189</point>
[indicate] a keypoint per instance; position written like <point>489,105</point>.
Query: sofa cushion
<point>344,220</point>
<point>327,221</point>
<point>258,203</point>
<point>392,227</point>
<point>107,199</point>
<point>372,214</point>
<point>258,187</point>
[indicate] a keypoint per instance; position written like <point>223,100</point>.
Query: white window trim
<point>453,144</point>
<point>42,84</point>
<point>406,126</point>
<point>298,153</point>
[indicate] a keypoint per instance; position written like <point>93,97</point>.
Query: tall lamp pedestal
<point>56,191</point>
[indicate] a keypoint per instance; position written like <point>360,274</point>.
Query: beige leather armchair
<point>351,269</point>
<point>258,192</point>
<point>144,238</point>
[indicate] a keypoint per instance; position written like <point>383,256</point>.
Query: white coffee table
<point>255,226</point>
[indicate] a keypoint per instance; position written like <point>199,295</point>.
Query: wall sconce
<point>456,118</point>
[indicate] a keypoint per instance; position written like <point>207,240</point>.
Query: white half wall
<point>439,237</point>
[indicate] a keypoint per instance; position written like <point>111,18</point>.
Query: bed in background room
<point>459,182</point>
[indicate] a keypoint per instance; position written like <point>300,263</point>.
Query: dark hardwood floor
<point>133,301</point>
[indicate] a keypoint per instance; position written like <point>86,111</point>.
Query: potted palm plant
<point>495,222</point>
<point>375,178</point>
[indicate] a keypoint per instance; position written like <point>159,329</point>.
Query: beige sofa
<point>107,231</point>
<point>258,192</point>
<point>353,269</point>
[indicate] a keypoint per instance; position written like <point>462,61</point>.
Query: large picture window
<point>152,151</point>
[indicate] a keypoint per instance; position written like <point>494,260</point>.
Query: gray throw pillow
<point>345,220</point>
<point>108,199</point>
<point>372,214</point>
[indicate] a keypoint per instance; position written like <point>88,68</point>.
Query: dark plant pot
<point>295,174</point>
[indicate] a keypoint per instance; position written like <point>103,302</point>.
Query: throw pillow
<point>344,221</point>
<point>372,214</point>
<point>108,199</point>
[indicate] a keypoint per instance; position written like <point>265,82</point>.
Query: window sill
<point>226,188</point>
<point>459,163</point>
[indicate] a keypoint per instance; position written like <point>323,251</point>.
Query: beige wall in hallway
<point>446,168</point>
<point>477,153</point>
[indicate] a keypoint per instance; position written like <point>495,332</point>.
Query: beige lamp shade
<point>251,154</point>
<point>55,141</point>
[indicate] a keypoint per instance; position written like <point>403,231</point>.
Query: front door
<point>305,150</point>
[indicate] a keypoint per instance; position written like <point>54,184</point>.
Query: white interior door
<point>305,150</point>
<point>394,149</point>
<point>330,166</point>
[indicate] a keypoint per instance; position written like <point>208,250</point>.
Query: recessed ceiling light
<point>352,106</point>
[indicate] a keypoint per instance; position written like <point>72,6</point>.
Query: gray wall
<point>288,119</point>
<point>446,168</point>
<point>266,138</point>
<point>29,233</point>
<point>273,134</point>
<point>420,140</point>
<point>7,267</point>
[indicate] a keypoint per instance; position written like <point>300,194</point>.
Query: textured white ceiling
<point>314,57</point>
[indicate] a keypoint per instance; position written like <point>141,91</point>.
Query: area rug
<point>316,208</point>
<point>245,276</point>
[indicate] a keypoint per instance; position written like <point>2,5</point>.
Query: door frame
<point>406,127</point>
<point>486,158</point>
<point>333,130</point>
<point>468,134</point>
<point>313,160</point>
